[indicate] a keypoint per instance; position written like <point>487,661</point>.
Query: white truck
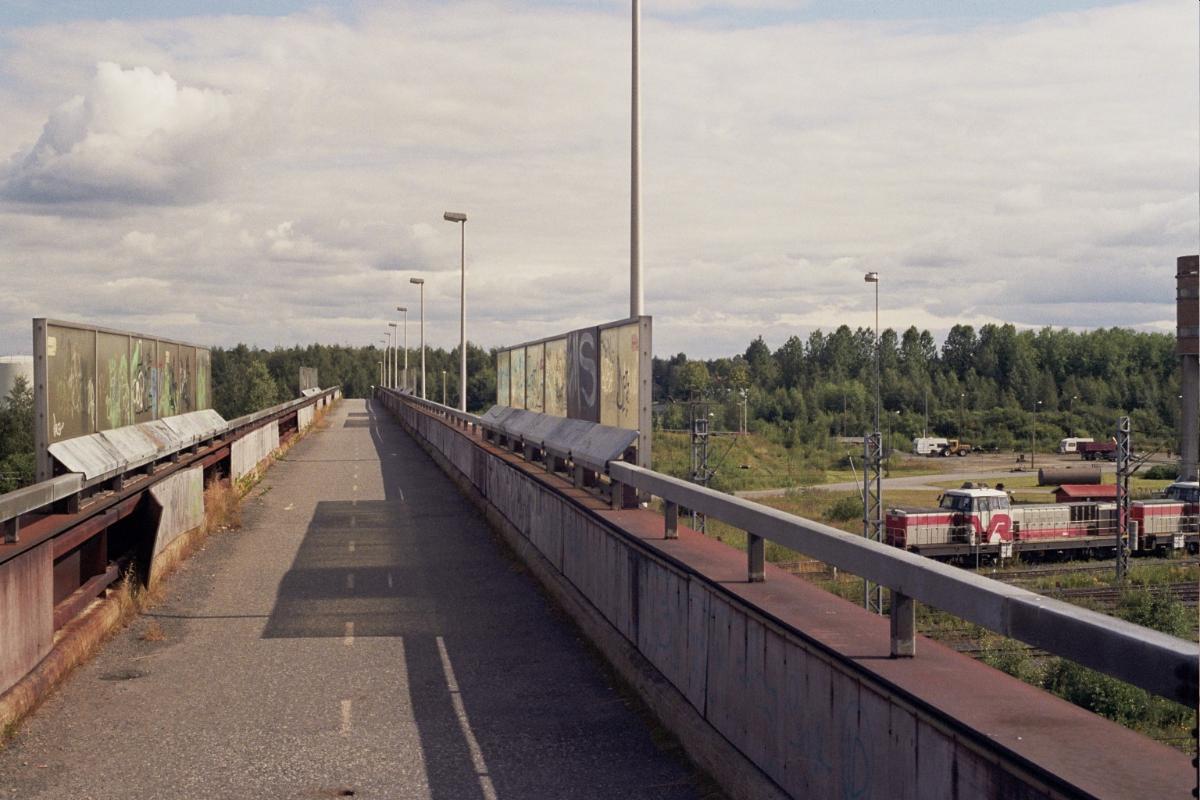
<point>929,445</point>
<point>1071,443</point>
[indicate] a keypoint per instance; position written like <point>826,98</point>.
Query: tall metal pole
<point>462,321</point>
<point>387,361</point>
<point>405,310</point>
<point>877,378</point>
<point>1125,534</point>
<point>636,304</point>
<point>423,340</point>
<point>395,334</point>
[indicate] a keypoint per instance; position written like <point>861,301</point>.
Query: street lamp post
<point>395,334</point>
<point>443,387</point>
<point>874,277</point>
<point>404,309</point>
<point>461,219</point>
<point>387,358</point>
<point>1071,412</point>
<point>636,296</point>
<point>421,282</point>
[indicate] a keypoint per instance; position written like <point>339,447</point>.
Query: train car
<point>983,522</point>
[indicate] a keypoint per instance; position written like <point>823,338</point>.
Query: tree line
<point>996,386</point>
<point>248,379</point>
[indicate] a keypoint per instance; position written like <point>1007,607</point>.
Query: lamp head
<point>403,309</point>
<point>871,277</point>
<point>454,216</point>
<point>417,281</point>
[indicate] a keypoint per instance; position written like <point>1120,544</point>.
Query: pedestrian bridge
<point>422,604</point>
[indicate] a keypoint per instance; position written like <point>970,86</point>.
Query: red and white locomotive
<point>980,521</point>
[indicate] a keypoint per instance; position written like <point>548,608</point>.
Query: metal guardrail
<point>42,496</point>
<point>1159,663</point>
<point>461,417</point>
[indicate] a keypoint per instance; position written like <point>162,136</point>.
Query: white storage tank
<point>11,367</point>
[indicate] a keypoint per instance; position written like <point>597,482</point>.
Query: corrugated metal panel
<point>90,455</point>
<point>196,426</point>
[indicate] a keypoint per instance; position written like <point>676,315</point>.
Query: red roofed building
<point>1080,493</point>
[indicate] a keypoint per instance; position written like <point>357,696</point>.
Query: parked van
<point>929,445</point>
<point>1071,444</point>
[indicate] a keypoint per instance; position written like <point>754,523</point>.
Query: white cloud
<point>987,173</point>
<point>135,137</point>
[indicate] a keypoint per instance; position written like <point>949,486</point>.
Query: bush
<point>845,508</point>
<point>1156,610</point>
<point>1163,472</point>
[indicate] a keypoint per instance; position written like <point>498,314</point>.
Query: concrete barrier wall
<point>26,613</point>
<point>246,453</point>
<point>809,722</point>
<point>181,500</point>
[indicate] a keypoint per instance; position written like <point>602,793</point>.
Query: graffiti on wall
<point>503,396</point>
<point>535,377</point>
<point>556,377</point>
<point>598,374</point>
<point>96,380</point>
<point>583,374</point>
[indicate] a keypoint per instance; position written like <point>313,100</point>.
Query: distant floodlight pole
<point>421,282</point>
<point>636,297</point>
<point>395,341</point>
<point>454,216</point>
<point>387,358</point>
<point>873,474</point>
<point>874,277</point>
<point>404,309</point>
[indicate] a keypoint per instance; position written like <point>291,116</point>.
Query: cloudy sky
<point>277,176</point>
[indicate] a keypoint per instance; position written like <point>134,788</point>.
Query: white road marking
<point>289,506</point>
<point>353,521</point>
<point>345,731</point>
<point>481,770</point>
<point>389,580</point>
<point>351,545</point>
<point>348,639</point>
<point>356,487</point>
<point>401,491</point>
<point>350,581</point>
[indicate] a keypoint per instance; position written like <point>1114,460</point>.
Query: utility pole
<point>873,511</point>
<point>1126,532</point>
<point>701,474</point>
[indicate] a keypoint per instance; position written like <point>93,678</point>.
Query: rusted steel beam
<point>82,597</point>
<point>90,527</point>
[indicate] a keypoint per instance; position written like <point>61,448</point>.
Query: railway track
<point>1008,575</point>
<point>1187,592</point>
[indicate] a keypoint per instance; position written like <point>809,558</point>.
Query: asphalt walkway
<point>363,635</point>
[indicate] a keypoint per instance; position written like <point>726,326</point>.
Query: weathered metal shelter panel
<point>535,377</point>
<point>556,377</point>
<point>143,376</point>
<point>308,379</point>
<point>503,394</point>
<point>114,388</point>
<point>517,376</point>
<point>181,498</point>
<point>598,374</point>
<point>26,613</point>
<point>89,379</point>
<point>583,374</point>
<point>619,354</point>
